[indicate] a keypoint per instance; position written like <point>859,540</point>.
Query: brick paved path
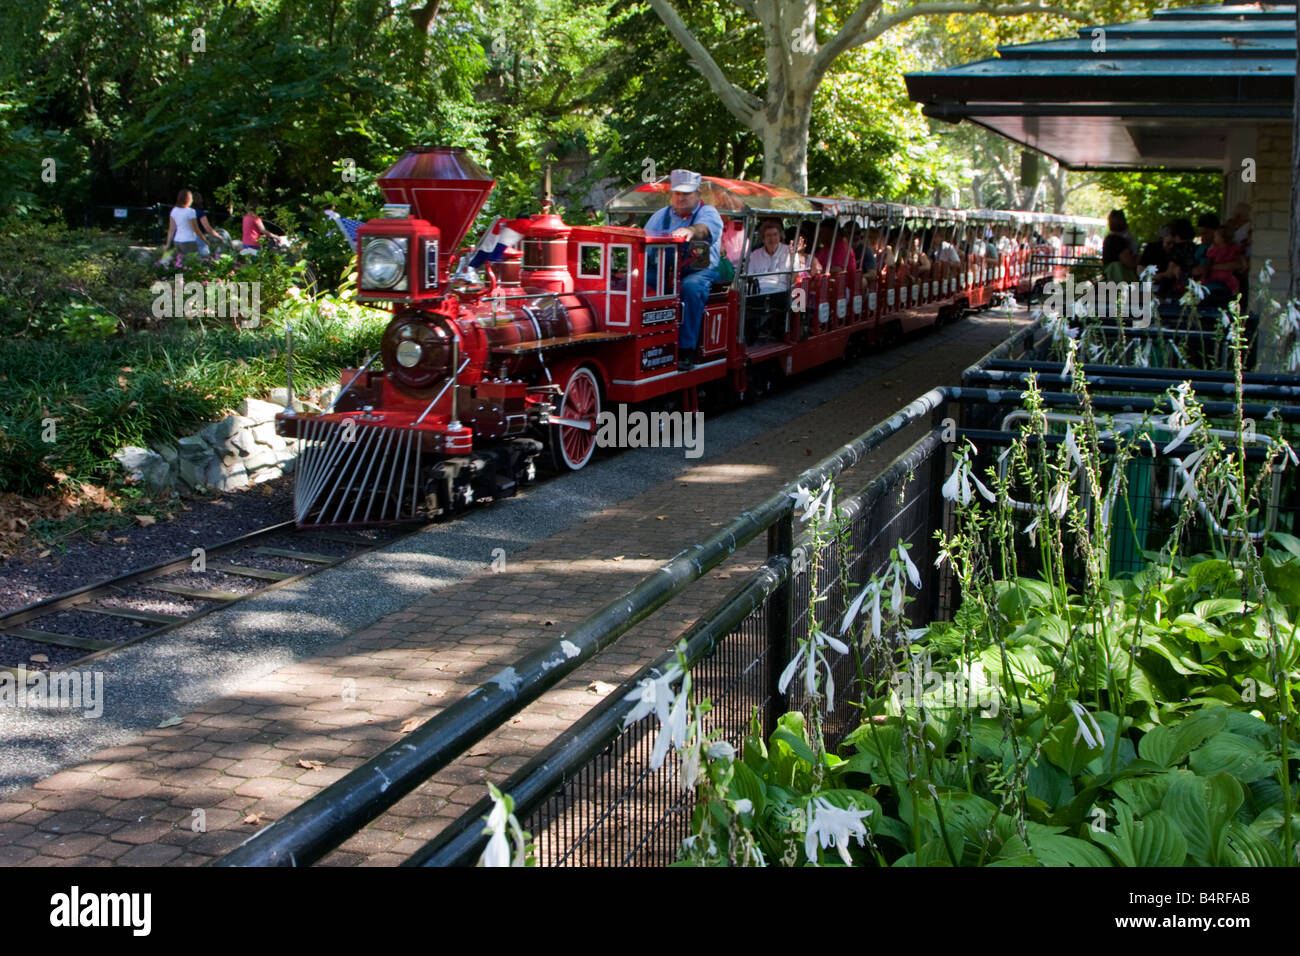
<point>262,751</point>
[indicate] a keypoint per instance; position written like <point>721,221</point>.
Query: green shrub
<point>144,387</point>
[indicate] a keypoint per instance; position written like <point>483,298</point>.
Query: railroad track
<point>69,629</point>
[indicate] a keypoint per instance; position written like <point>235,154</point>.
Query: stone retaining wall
<point>240,450</point>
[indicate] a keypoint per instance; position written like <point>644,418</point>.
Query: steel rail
<point>77,599</point>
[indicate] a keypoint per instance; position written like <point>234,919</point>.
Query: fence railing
<point>320,824</point>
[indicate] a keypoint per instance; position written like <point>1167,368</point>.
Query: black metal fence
<point>310,831</point>
<point>590,797</point>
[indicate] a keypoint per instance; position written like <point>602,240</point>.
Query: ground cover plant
<point>1069,714</point>
<point>68,401</point>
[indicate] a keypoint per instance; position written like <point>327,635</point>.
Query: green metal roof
<point>1163,92</point>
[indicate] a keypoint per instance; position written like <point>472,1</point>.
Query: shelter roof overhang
<point>1166,92</point>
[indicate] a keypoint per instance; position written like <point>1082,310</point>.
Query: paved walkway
<point>185,794</point>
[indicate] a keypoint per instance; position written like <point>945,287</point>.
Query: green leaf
<point>1019,598</point>
<point>1290,542</point>
<point>1144,793</point>
<point>1066,747</point>
<point>1201,808</point>
<point>1240,757</point>
<point>747,785</point>
<point>1152,841</point>
<point>1167,745</point>
<point>796,745</point>
<point>1217,607</point>
<point>1247,847</point>
<point>1049,783</point>
<point>1056,849</point>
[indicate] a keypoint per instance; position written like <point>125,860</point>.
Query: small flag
<point>349,227</point>
<point>492,247</point>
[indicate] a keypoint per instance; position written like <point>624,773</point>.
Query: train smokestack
<point>442,185</point>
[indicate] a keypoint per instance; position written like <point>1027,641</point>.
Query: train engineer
<point>687,217</point>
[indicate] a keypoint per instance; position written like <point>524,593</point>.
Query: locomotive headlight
<point>384,264</point>
<point>408,354</point>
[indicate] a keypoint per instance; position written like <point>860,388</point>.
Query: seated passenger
<point>834,260</point>
<point>772,267</point>
<point>1118,262</point>
<point>1205,226</point>
<point>1226,259</point>
<point>917,259</point>
<point>688,218</point>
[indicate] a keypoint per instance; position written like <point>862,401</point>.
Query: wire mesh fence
<point>613,810</point>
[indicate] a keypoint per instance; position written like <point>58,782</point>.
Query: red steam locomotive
<point>481,375</point>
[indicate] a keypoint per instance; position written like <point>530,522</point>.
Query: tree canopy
<point>298,102</point>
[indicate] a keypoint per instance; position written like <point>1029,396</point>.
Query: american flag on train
<point>492,247</point>
<point>348,226</point>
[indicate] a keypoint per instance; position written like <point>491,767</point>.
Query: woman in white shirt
<point>771,266</point>
<point>773,256</point>
<point>182,230</point>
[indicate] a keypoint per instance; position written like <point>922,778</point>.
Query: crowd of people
<point>1215,253</point>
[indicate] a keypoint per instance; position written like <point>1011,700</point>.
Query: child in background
<point>1225,258</point>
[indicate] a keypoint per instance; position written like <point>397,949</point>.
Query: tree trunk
<point>785,142</point>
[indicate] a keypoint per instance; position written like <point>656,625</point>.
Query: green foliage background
<point>294,103</point>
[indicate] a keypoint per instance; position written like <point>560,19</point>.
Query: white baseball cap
<point>685,181</point>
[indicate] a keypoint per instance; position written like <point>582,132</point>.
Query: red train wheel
<point>573,440</point>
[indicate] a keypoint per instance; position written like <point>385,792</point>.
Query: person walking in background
<point>204,227</point>
<point>182,225</point>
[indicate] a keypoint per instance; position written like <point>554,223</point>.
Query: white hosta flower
<point>1059,503</point>
<point>1266,273</point>
<point>1191,465</point>
<point>1072,447</point>
<point>870,590</point>
<point>808,658</point>
<point>1089,729</point>
<point>913,575</point>
<point>720,749</point>
<point>743,806</point>
<point>1070,349</point>
<point>1148,272</point>
<point>896,594</point>
<point>503,827</point>
<point>1032,531</point>
<point>809,504</point>
<point>675,731</point>
<point>1195,293</point>
<point>829,826</point>
<point>653,695</point>
<point>958,487</point>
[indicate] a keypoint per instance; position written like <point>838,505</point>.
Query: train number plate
<point>658,356</point>
<point>916,293</point>
<point>658,316</point>
<point>857,305</point>
<point>889,297</point>
<point>823,312</point>
<point>871,301</point>
<point>841,308</point>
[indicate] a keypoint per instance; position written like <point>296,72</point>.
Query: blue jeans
<point>695,292</point>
